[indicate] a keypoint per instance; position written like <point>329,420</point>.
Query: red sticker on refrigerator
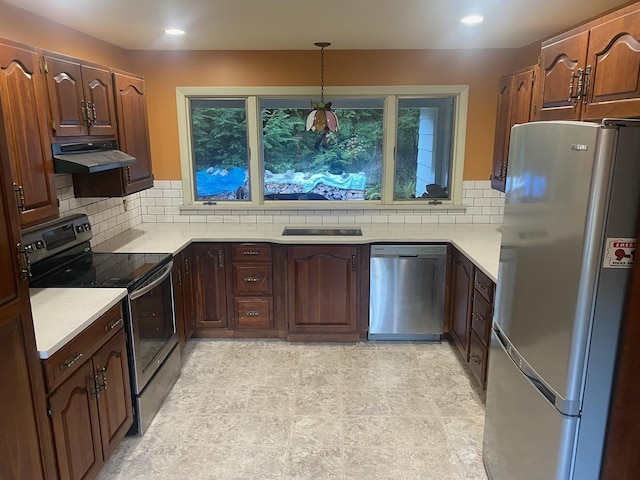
<point>619,253</point>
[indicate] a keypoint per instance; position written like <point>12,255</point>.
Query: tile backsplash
<point>163,203</point>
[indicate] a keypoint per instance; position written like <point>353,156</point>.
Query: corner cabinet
<point>133,138</point>
<point>27,450</point>
<point>90,396</point>
<point>80,97</point>
<point>461,292</point>
<point>25,114</point>
<point>593,71</point>
<point>322,293</point>
<point>515,101</point>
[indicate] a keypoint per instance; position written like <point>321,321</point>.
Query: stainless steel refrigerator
<point>568,240</point>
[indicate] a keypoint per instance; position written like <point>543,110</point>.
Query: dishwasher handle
<point>409,251</point>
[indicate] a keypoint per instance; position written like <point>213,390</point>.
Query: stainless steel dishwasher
<point>406,298</point>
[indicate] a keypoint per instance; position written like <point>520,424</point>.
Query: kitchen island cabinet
<point>89,396</point>
<point>593,71</point>
<point>24,110</point>
<point>322,292</point>
<point>26,445</point>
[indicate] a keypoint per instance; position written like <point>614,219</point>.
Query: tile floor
<point>267,410</point>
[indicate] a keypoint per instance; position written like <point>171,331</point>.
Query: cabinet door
<point>26,448</point>
<point>503,130</point>
<point>188,293</point>
<point>461,302</point>
<point>64,82</point>
<point>76,426</point>
<point>559,60</point>
<point>614,62</point>
<point>177,275</point>
<point>98,97</point>
<point>25,116</point>
<point>322,289</point>
<point>209,286</point>
<point>115,406</point>
<point>133,130</point>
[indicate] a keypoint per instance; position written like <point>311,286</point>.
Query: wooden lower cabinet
<point>183,296</point>
<point>209,286</point>
<point>461,293</point>
<point>471,314</point>
<point>90,397</point>
<point>322,292</point>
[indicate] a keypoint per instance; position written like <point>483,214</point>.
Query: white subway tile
<point>315,219</point>
<point>149,218</point>
<point>482,202</point>
<point>379,219</point>
<point>430,218</point>
<point>231,218</point>
<point>346,219</point>
<point>248,219</point>
<point>363,218</point>
<point>396,218</point>
<point>468,184</point>
<point>497,202</point>
<point>495,219</point>
<point>155,210</point>
<point>491,193</point>
<point>474,211</point>
<point>264,218</point>
<point>446,219</point>
<point>154,193</point>
<point>169,193</point>
<point>176,184</point>
<point>280,218</point>
<point>176,201</point>
<point>490,210</point>
<point>481,218</point>
<point>464,219</point>
<point>483,184</point>
<point>197,218</point>
<point>413,219</point>
<point>473,193</point>
<point>162,184</point>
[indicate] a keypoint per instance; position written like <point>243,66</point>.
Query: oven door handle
<point>147,288</point>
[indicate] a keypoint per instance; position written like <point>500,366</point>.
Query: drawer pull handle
<point>251,279</point>
<point>481,285</point>
<point>254,313</point>
<point>112,325</point>
<point>70,361</point>
<point>475,358</point>
<point>478,317</point>
<point>250,252</point>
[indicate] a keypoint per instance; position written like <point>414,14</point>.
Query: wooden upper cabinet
<point>501,139</point>
<point>515,96</point>
<point>614,62</point>
<point>80,97</point>
<point>23,100</point>
<point>133,129</point>
<point>560,64</point>
<point>26,446</point>
<point>593,71</point>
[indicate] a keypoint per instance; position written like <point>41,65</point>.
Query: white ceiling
<point>297,24</point>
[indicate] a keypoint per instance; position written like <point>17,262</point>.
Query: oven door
<point>152,326</point>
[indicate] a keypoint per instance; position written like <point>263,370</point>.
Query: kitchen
<point>479,71</point>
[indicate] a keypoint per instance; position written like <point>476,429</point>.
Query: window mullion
<point>254,129</point>
<point>389,142</point>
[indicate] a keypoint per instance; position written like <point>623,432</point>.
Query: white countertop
<point>59,314</point>
<point>481,242</point>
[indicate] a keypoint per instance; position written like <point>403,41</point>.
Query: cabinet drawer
<point>252,312</point>
<point>484,285</point>
<point>252,252</point>
<point>478,355</point>
<point>70,357</point>
<point>252,279</point>
<point>481,317</point>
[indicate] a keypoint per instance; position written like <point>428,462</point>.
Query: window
<point>424,142</point>
<point>302,165</point>
<point>220,149</point>
<point>395,145</point>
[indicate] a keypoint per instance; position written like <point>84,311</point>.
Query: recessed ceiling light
<point>174,31</point>
<point>472,19</point>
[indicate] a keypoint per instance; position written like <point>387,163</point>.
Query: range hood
<point>89,157</point>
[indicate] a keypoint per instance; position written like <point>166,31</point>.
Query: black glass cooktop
<point>90,269</point>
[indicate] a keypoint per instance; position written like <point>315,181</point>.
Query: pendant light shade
<point>321,118</point>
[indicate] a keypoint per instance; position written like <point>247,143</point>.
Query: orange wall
<point>480,69</point>
<point>166,70</point>
<point>24,27</point>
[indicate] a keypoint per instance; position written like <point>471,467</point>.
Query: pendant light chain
<point>322,74</point>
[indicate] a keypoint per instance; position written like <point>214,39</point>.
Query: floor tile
<point>272,410</point>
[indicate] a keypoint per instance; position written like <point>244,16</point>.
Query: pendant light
<point>321,118</point>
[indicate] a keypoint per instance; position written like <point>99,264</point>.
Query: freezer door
<point>525,437</point>
<point>542,299</point>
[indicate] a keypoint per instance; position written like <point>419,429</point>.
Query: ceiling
<point>297,24</point>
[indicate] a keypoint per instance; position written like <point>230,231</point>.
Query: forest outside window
<point>395,145</point>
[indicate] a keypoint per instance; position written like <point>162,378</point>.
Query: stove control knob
<point>39,244</point>
<point>79,228</point>
<point>29,248</point>
<point>87,226</point>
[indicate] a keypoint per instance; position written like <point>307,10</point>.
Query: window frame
<point>391,94</point>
